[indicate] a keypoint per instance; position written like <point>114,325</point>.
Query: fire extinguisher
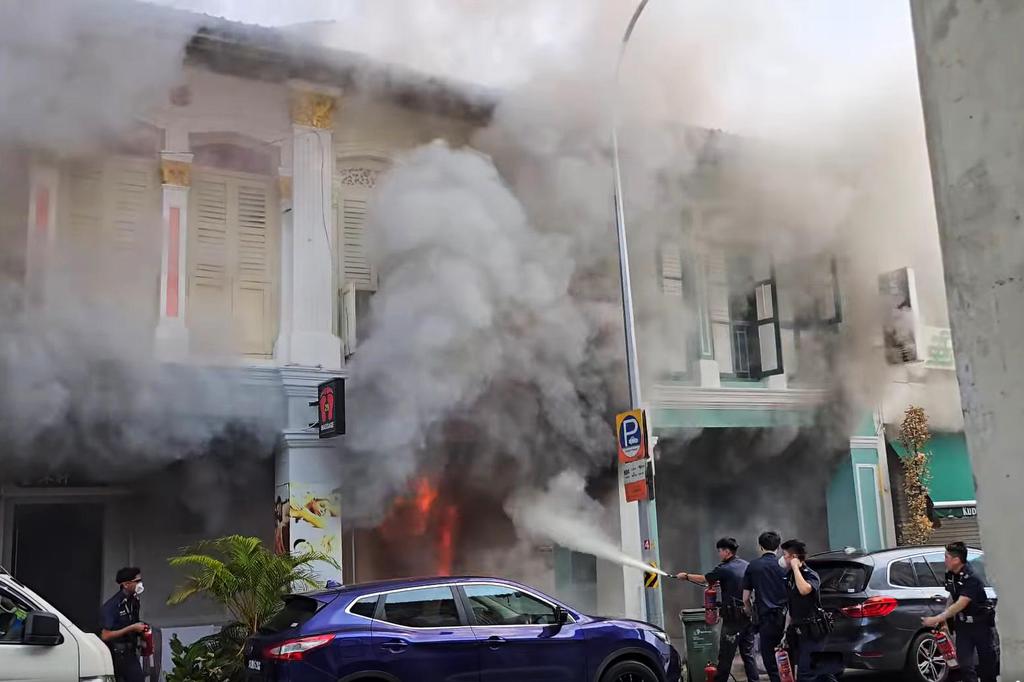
<point>148,648</point>
<point>784,666</point>
<point>709,672</point>
<point>945,647</point>
<point>711,604</point>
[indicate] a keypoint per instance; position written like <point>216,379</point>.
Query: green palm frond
<point>247,579</point>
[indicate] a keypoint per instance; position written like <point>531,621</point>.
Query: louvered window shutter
<point>355,261</point>
<point>209,294</point>
<point>252,301</point>
<point>232,259</point>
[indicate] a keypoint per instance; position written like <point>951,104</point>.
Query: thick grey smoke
<point>474,322</point>
<point>82,394</point>
<point>821,157</point>
<point>75,74</point>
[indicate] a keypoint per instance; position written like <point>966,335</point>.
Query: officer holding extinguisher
<point>737,631</point>
<point>973,615</point>
<point>807,623</point>
<point>123,629</point>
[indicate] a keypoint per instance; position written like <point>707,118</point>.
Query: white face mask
<point>783,563</point>
<point>139,589</point>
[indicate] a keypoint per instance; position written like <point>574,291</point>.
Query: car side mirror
<point>42,629</point>
<point>561,616</point>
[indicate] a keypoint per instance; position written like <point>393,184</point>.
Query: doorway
<point>57,550</point>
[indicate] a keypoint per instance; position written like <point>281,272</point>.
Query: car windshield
<point>841,577</point>
<point>297,611</point>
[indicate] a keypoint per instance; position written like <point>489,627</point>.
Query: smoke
<point>498,282</point>
<point>74,75</point>
<point>82,394</point>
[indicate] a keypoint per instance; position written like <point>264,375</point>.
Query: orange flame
<point>446,540</point>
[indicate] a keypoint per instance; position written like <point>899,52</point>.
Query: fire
<point>445,540</point>
<point>417,517</point>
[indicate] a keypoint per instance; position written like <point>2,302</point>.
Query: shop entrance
<point>57,550</point>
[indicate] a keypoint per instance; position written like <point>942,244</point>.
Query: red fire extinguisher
<point>709,672</point>
<point>784,666</point>
<point>945,647</point>
<point>711,604</point>
<point>148,649</point>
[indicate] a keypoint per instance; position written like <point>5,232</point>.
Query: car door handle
<point>395,647</point>
<point>494,641</point>
<point>939,597</point>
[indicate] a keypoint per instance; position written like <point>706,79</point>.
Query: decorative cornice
<point>313,109</point>
<point>176,171</point>
<point>864,442</point>
<point>303,381</point>
<point>666,396</point>
<point>295,439</point>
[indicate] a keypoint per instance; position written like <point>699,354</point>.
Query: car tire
<point>924,660</point>
<point>629,671</point>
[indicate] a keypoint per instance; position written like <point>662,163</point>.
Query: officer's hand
<point>138,628</point>
<point>681,576</point>
<point>931,622</point>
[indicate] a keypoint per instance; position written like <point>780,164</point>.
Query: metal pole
<point>647,510</point>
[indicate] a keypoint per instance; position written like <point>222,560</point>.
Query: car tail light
<point>874,607</point>
<point>295,649</point>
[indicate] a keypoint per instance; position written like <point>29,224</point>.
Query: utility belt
<point>128,647</point>
<point>733,613</point>
<point>818,626</point>
<point>984,616</point>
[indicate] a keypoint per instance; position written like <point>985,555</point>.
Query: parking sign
<point>632,436</point>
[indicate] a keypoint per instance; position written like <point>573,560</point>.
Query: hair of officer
<point>957,549</point>
<point>127,573</point>
<point>729,544</point>
<point>796,548</point>
<point>769,540</point>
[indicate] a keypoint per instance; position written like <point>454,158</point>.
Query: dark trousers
<point>127,668</point>
<point>770,630</point>
<point>736,636</point>
<point>804,656</point>
<point>980,641</point>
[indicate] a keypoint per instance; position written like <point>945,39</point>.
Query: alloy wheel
<point>930,662</point>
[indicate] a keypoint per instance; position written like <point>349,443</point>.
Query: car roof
<point>403,583</point>
<point>863,557</point>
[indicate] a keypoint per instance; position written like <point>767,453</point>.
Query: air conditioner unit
<point>355,311</point>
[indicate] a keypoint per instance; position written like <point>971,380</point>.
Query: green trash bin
<point>701,643</point>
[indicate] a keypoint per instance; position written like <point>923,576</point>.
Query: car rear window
<point>841,577</point>
<point>297,611</point>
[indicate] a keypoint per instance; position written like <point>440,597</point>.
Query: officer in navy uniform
<point>974,617</point>
<point>122,627</point>
<point>805,635</point>
<point>737,631</point>
<point>764,599</point>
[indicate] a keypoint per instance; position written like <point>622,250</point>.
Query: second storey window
<point>233,270</point>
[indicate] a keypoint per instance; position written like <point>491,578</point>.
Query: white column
<point>282,347</point>
<point>171,332</point>
<point>969,57</point>
<point>306,469</point>
<point>44,183</point>
<point>312,341</point>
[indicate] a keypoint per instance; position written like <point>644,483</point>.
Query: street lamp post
<point>647,510</point>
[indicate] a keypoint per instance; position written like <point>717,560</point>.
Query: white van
<point>37,642</point>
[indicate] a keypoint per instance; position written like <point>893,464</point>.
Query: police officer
<point>122,628</point>
<point>736,628</point>
<point>764,599</point>
<point>806,627</point>
<point>973,614</point>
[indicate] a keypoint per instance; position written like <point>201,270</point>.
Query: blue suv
<point>452,630</point>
